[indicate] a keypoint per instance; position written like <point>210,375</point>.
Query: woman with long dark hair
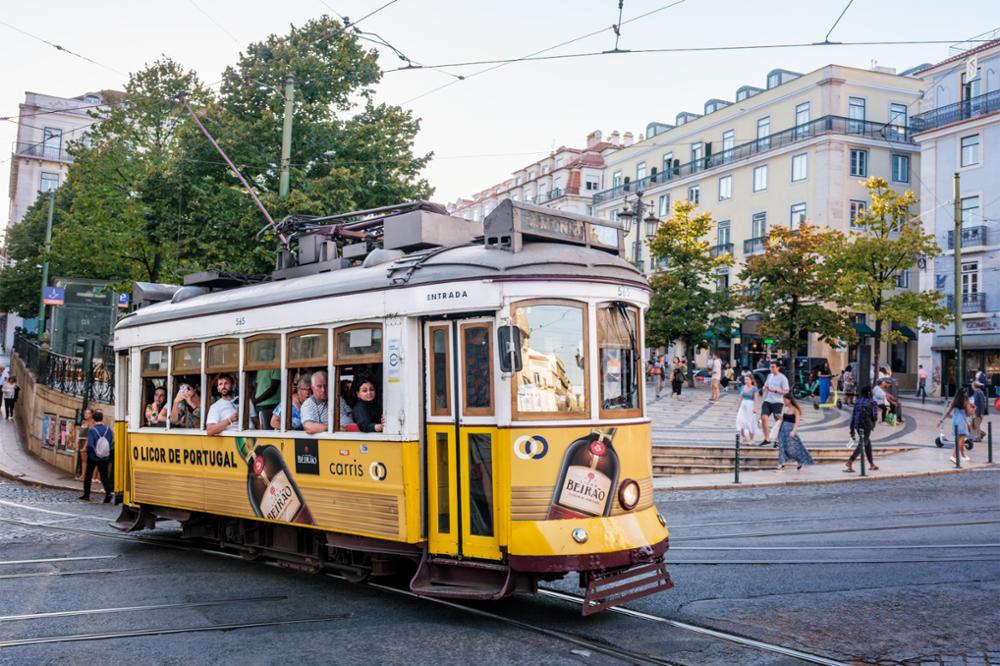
<point>961,410</point>
<point>789,444</point>
<point>367,410</point>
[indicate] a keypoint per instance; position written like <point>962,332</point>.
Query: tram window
<point>155,405</point>
<point>552,382</point>
<point>307,357</point>
<point>221,357</point>
<point>443,484</point>
<point>263,377</point>
<point>481,484</point>
<point>440,366</point>
<point>357,358</point>
<point>186,407</point>
<point>618,349</point>
<point>477,370</point>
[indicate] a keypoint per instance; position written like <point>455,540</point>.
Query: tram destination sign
<point>512,222</point>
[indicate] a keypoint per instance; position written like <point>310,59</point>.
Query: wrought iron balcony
<point>953,113</point>
<point>754,245</point>
<point>722,248</point>
<point>42,151</point>
<point>971,302</point>
<point>550,195</point>
<point>971,237</point>
<point>751,292</point>
<point>820,127</point>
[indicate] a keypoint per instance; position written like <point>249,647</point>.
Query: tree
<point>889,241</point>
<point>686,303</point>
<point>791,289</point>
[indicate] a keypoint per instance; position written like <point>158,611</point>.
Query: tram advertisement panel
<point>347,486</point>
<point>568,472</point>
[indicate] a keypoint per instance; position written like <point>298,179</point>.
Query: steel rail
<point>38,574</point>
<point>839,530</point>
<point>768,563</point>
<point>129,609</point>
<point>60,559</point>
<point>821,519</point>
<point>875,547</point>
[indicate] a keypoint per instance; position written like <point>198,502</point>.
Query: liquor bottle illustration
<point>271,488</point>
<point>588,478</point>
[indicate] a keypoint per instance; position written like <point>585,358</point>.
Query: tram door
<point>461,434</point>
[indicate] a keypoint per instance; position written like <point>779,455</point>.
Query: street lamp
<point>628,215</point>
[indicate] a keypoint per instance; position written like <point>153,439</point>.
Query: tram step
<point>462,579</point>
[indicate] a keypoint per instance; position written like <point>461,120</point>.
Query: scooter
<point>833,399</point>
<point>943,440</point>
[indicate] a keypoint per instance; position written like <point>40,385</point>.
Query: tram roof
<point>541,260</point>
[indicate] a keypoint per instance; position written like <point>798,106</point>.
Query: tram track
<point>807,519</point>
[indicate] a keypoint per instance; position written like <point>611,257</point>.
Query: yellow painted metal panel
<point>615,533</point>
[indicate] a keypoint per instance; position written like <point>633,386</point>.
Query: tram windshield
<point>618,350</point>
<point>552,379</point>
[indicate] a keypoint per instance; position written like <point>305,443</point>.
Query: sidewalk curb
<point>35,483</point>
<point>805,482</point>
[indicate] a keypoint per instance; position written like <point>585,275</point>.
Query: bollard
<point>923,397</point>
<point>736,471</point>
<point>989,441</point>
<point>958,451</point>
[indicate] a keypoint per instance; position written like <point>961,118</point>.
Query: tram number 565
<point>241,321</point>
<point>624,292</point>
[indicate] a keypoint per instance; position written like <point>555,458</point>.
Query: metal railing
<point>43,151</point>
<point>66,373</point>
<point>754,245</point>
<point>971,237</point>
<point>722,248</point>
<point>972,302</point>
<point>819,127</point>
<point>952,113</point>
<point>550,195</point>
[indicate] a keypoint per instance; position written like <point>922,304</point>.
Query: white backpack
<point>102,447</point>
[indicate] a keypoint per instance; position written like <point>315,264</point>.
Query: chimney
<point>615,138</point>
<point>628,139</point>
<point>594,138</point>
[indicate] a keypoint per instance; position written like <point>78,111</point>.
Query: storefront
<point>979,350</point>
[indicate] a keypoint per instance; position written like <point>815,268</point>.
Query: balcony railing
<point>722,248</point>
<point>550,195</point>
<point>971,237</point>
<point>819,127</point>
<point>751,292</point>
<point>972,302</point>
<point>754,245</point>
<point>66,373</point>
<point>952,113</point>
<point>42,151</point>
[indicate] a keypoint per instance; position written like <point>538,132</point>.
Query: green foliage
<point>686,304</point>
<point>889,241</point>
<point>791,288</point>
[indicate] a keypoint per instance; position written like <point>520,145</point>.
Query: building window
<point>857,209</point>
<point>640,170</point>
<point>897,121</point>
<point>802,120</point>
<point>52,143</point>
<point>664,207</point>
<point>903,280</point>
<point>800,167</point>
<point>758,225</point>
<point>859,163</point>
<point>798,215</point>
<point>724,233</point>
<point>668,163</point>
<point>545,169</point>
<point>559,162</point>
<point>970,279</point>
<point>697,152</point>
<point>773,80</point>
<point>593,183</point>
<point>91,99</point>
<point>970,212</point>
<point>616,179</point>
<point>531,175</point>
<point>764,133</point>
<point>970,88</point>
<point>694,194</point>
<point>901,168</point>
<point>760,178</point>
<point>856,114</point>
<point>49,182</point>
<point>725,188</point>
<point>517,181</point>
<point>970,150</point>
<point>728,142</point>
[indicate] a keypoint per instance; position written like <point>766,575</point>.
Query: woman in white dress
<point>746,417</point>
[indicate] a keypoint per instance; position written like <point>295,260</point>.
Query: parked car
<point>703,376</point>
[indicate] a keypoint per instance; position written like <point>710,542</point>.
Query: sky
<point>484,127</point>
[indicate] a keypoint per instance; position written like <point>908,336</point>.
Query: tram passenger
<point>367,410</point>
<point>303,389</point>
<point>346,404</point>
<point>223,414</point>
<point>186,410</point>
<point>315,414</point>
<point>156,411</point>
<point>267,394</point>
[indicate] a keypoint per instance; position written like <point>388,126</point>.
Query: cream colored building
<point>567,179</point>
<point>796,150</point>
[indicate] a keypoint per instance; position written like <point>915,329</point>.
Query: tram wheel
<point>356,575</point>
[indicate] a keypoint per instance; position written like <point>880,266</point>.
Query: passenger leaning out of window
<point>367,410</point>
<point>186,411</point>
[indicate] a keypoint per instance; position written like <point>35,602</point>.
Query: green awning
<point>908,332</point>
<point>863,329</point>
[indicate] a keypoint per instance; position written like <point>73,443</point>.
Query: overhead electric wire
<point>59,47</point>
<point>216,23</point>
<point>374,12</point>
<point>826,40</point>
<point>44,113</point>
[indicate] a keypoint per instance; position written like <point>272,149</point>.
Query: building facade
<point>565,180</point>
<point>958,130</point>
<point>795,151</point>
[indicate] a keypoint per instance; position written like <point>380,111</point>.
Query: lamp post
<point>635,213</point>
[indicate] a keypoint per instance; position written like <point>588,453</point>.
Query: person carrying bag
<point>100,449</point>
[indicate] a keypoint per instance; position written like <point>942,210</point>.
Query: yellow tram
<point>505,362</point>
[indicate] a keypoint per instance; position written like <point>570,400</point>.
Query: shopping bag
<point>775,427</point>
<point>852,442</point>
<point>758,429</point>
<point>890,419</point>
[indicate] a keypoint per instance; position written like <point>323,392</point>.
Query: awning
<point>908,332</point>
<point>969,341</point>
<point>863,329</point>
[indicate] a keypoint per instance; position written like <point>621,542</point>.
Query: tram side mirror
<point>510,348</point>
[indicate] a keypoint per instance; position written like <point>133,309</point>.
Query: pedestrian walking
<point>921,382</point>
<point>850,385</point>
<point>775,388</point>
<point>715,367</point>
<point>86,422</point>
<point>960,409</point>
<point>789,444</point>
<point>728,376</point>
<point>746,415</point>
<point>824,376</point>
<point>677,372</point>
<point>10,393</point>
<point>982,409</point>
<point>656,371</point>
<point>862,423</point>
<point>4,374</point>
<point>936,381</point>
<point>100,449</point>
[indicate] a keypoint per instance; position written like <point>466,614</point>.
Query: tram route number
<point>624,292</point>
<point>241,321</point>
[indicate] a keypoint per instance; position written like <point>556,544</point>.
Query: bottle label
<point>585,489</point>
<point>280,501</point>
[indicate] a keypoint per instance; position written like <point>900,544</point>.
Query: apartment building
<point>958,130</point>
<point>794,151</point>
<point>566,179</point>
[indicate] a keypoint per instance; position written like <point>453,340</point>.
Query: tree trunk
<point>793,349</point>
<point>878,348</point>
<point>689,358</point>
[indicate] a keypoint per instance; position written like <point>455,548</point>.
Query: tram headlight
<point>580,535</point>
<point>628,494</point>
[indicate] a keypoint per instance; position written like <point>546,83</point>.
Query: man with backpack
<point>982,409</point>
<point>862,423</point>
<point>100,449</point>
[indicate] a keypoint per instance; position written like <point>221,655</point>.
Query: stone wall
<point>39,409</point>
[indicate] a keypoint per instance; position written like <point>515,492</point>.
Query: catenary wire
<point>61,48</point>
<point>826,40</point>
<point>216,23</point>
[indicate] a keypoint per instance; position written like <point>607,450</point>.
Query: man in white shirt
<point>315,413</point>
<point>775,389</point>
<point>223,415</point>
<point>715,367</point>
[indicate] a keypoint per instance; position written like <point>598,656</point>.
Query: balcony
<point>971,237</point>
<point>754,245</point>
<point>550,195</point>
<point>751,292</point>
<point>722,248</point>
<point>827,125</point>
<point>971,302</point>
<point>953,113</point>
<point>42,152</point>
